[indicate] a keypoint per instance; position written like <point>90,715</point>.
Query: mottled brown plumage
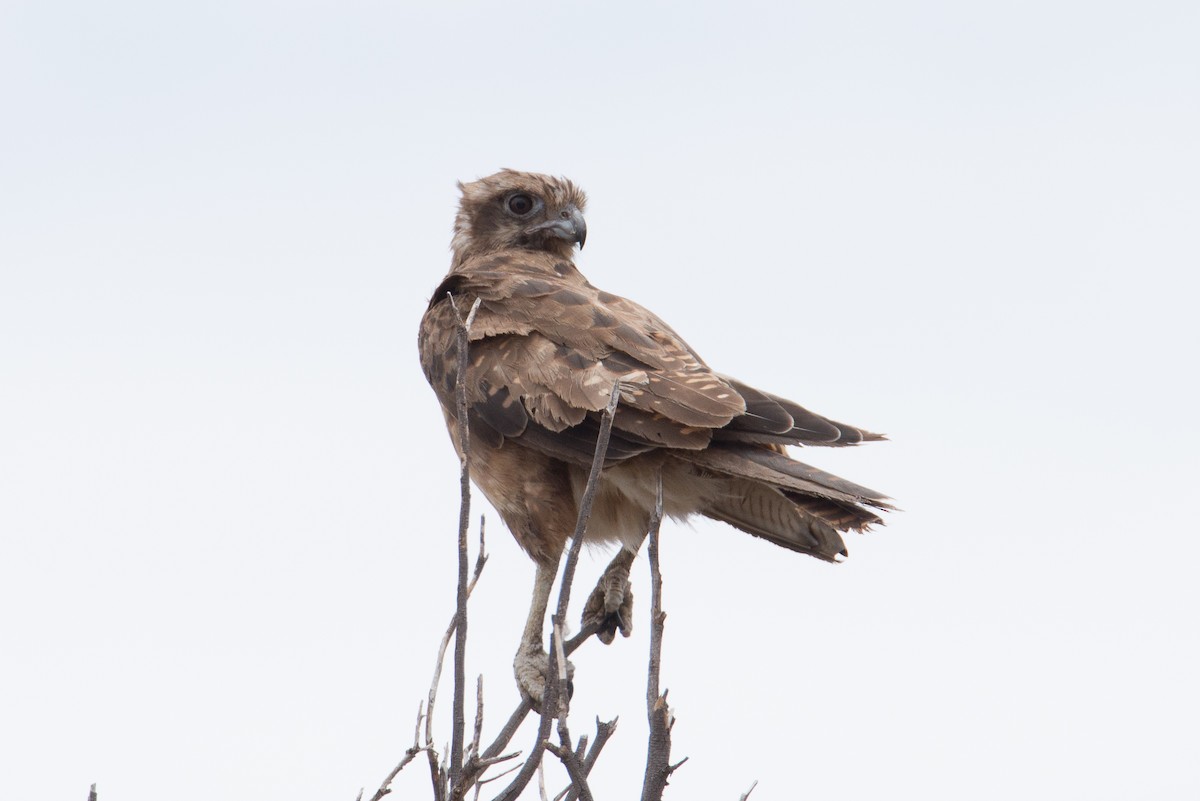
<point>546,350</point>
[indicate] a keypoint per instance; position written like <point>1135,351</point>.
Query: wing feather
<point>547,348</point>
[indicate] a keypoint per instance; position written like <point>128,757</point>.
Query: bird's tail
<point>793,505</point>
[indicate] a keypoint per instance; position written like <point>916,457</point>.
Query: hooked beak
<point>568,225</point>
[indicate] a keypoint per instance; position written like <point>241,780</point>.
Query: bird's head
<point>519,210</point>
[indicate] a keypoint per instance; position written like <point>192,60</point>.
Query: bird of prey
<point>546,349</point>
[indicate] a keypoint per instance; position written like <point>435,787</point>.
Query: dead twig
<point>497,777</point>
<point>658,749</point>
<point>510,728</point>
<point>564,751</point>
<point>453,778</point>
<point>464,521</point>
<point>603,732</point>
<point>438,773</point>
<point>574,769</point>
<point>413,750</point>
<point>551,695</point>
<point>498,759</point>
<point>541,776</point>
<point>473,751</point>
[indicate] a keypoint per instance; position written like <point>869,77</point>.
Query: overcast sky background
<point>228,502</point>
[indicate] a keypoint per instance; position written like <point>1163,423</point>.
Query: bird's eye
<point>520,204</point>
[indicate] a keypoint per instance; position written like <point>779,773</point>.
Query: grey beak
<point>568,224</point>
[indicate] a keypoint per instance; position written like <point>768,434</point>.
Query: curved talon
<point>532,668</point>
<point>610,606</point>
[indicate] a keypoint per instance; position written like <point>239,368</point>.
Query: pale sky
<point>228,503</point>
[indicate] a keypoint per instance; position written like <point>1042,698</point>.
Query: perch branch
<point>464,522</point>
<point>550,697</point>
<point>658,749</point>
<point>525,707</point>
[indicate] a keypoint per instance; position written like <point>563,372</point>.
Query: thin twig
<point>464,521</point>
<point>510,728</point>
<point>656,614</point>
<point>565,753</point>
<point>524,707</point>
<point>581,749</point>
<point>580,638</point>
<point>478,715</point>
<point>746,794</point>
<point>603,732</point>
<point>589,495</point>
<point>486,763</point>
<point>550,695</point>
<point>384,788</point>
<point>413,750</point>
<point>437,773</point>
<point>541,774</point>
<point>480,562</point>
<point>574,769</point>
<point>658,748</point>
<point>498,776</point>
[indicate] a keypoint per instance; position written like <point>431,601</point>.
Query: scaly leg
<point>610,606</point>
<point>532,664</point>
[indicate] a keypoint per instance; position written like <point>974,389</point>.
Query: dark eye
<point>520,204</point>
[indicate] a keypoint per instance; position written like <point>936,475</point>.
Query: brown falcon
<point>546,348</point>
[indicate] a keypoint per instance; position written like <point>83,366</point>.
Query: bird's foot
<point>532,669</point>
<point>610,606</point>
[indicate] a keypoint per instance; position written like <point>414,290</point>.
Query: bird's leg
<point>610,606</point>
<point>532,664</point>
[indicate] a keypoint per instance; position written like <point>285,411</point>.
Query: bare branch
<point>603,732</point>
<point>658,749</point>
<point>746,794</point>
<point>553,688</point>
<point>464,521</point>
<point>581,749</point>
<point>478,716</point>
<point>656,614</point>
<point>413,750</point>
<point>385,786</point>
<point>437,774</point>
<point>589,495</point>
<point>580,638</point>
<point>541,774</point>
<point>454,778</point>
<point>499,775</point>
<point>510,728</point>
<point>525,707</point>
<point>497,759</point>
<point>565,753</point>
<point>574,769</point>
